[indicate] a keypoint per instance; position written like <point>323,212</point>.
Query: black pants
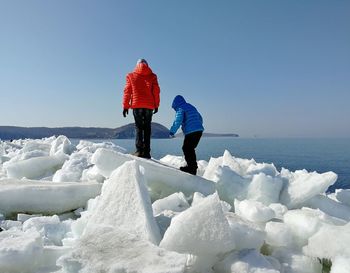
<point>143,119</point>
<point>190,143</point>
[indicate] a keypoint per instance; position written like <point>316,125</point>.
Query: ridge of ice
<point>221,220</point>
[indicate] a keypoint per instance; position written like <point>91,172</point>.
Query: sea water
<point>312,154</point>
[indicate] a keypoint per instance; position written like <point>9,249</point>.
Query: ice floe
<point>91,207</point>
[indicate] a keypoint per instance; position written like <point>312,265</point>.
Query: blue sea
<point>319,155</point>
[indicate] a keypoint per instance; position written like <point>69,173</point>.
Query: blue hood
<point>178,101</point>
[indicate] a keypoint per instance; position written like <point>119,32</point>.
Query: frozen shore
<point>94,208</point>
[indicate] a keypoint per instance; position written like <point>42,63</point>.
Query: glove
<point>155,110</point>
<point>171,135</point>
<point>125,112</point>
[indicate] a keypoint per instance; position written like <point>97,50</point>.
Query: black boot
<point>146,155</point>
<point>188,169</point>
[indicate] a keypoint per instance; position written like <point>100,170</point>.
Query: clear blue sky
<point>264,68</point>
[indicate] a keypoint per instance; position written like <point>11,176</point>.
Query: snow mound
<point>34,168</point>
<point>330,242</point>
<point>203,231</point>
<point>305,222</point>
<point>247,235</point>
<point>162,180</point>
<point>265,189</point>
<point>125,203</point>
<point>246,261</point>
<point>90,209</point>
<point>329,206</point>
<point>295,262</point>
<point>278,234</point>
<point>44,196</point>
<point>341,264</point>
<point>121,234</point>
<point>254,211</point>
<point>51,229</point>
<point>110,249</point>
<point>20,251</point>
<point>174,202</point>
<point>303,185</point>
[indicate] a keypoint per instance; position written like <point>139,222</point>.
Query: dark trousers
<point>190,143</point>
<point>143,119</point>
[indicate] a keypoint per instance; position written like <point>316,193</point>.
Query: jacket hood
<point>143,69</point>
<point>178,101</point>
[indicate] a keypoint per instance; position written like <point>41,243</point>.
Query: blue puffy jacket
<point>186,116</point>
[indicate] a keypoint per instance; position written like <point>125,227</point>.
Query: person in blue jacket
<point>191,123</point>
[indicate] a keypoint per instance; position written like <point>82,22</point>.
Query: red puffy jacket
<point>141,88</point>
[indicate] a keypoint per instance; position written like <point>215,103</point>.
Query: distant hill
<point>219,135</point>
<point>212,135</point>
<point>123,132</point>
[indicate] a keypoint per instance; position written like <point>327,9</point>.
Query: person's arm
<point>156,92</point>
<point>200,118</point>
<point>179,116</point>
<point>127,93</point>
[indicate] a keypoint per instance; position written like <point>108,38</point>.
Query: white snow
<point>121,233</point>
<point>49,257</point>
<point>162,180</point>
<point>18,196</point>
<point>34,168</point>
<point>296,262</point>
<point>303,185</point>
<point>305,222</point>
<point>51,229</point>
<point>125,203</point>
<point>22,217</point>
<point>254,211</point>
<point>245,261</point>
<point>61,145</point>
<point>329,242</point>
<point>174,202</point>
<point>197,198</point>
<point>341,264</point>
<point>247,235</point>
<point>230,185</point>
<point>243,167</point>
<point>8,224</point>
<point>279,210</point>
<point>85,146</point>
<point>92,174</point>
<point>89,210</point>
<point>265,188</point>
<point>20,251</point>
<point>201,230</point>
<point>278,234</point>
<point>73,168</point>
<point>174,161</point>
<point>329,206</point>
<point>110,249</point>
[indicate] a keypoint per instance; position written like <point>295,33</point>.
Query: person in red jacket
<point>141,93</point>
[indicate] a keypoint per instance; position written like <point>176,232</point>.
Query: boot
<point>146,151</point>
<point>189,170</point>
<point>146,155</point>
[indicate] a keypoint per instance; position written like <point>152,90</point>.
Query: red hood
<point>143,69</point>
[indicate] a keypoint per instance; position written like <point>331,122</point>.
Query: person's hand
<point>171,135</point>
<point>125,112</point>
<point>155,110</point>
